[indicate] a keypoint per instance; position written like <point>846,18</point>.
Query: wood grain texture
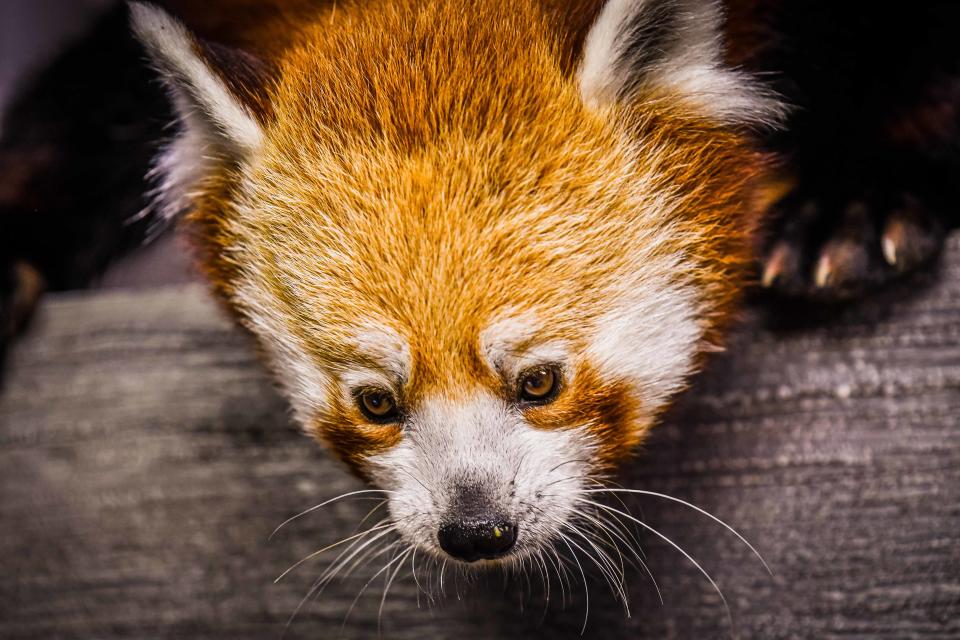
<point>145,459</point>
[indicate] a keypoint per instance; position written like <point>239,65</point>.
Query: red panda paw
<point>840,248</point>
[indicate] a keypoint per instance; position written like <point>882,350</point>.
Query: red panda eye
<point>540,384</point>
<point>377,405</point>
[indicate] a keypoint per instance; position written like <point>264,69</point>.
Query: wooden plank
<point>145,459</point>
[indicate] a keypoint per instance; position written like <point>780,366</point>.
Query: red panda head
<point>478,272</point>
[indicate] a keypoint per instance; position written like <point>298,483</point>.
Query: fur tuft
<point>214,122</point>
<point>670,50</point>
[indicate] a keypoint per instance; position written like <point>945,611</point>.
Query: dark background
<point>31,33</point>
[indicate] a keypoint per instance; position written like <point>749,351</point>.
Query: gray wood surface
<point>145,458</point>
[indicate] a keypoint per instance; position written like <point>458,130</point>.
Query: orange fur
<point>435,200</point>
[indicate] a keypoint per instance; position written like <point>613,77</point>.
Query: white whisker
<point>385,567</point>
<point>321,582</point>
<point>551,555</point>
<point>675,546</point>
<point>371,512</point>
<point>631,531</point>
<point>690,506</point>
<point>442,567</point>
<point>362,556</point>
<point>386,588</point>
<point>614,581</point>
<point>586,587</point>
<point>378,527</point>
<point>323,504</point>
<point>537,560</point>
<point>599,517</point>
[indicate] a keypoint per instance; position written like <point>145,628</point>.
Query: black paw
<point>838,247</point>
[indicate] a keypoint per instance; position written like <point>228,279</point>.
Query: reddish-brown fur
<point>447,188</point>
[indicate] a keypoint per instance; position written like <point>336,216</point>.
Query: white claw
<point>889,248</point>
<point>774,266</point>
<point>824,270</point>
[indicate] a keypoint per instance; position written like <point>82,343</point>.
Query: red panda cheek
<point>354,441</point>
<point>617,424</point>
<point>610,412</point>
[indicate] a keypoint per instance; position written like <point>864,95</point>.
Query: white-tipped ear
<point>194,83</point>
<point>670,48</point>
<point>214,120</point>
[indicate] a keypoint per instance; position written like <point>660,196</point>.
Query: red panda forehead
<point>456,292</point>
<point>405,72</point>
<point>465,224</point>
<point>444,243</point>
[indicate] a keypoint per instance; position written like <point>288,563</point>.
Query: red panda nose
<point>473,539</point>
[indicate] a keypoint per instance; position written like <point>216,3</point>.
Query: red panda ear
<point>670,49</point>
<point>213,88</point>
<point>218,95</point>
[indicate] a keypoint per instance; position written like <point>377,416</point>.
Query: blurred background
<point>32,33</point>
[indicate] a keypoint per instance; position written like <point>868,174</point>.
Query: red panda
<point>480,244</point>
<point>480,263</point>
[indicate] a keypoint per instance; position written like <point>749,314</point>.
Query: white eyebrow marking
<point>387,364</point>
<point>508,345</point>
<point>386,348</point>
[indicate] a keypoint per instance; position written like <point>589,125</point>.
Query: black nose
<point>470,540</point>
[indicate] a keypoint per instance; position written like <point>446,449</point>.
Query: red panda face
<point>478,352</point>
<point>478,278</point>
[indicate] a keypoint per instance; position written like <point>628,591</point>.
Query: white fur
<point>213,122</point>
<point>692,69</point>
<point>309,383</point>
<point>182,164</point>
<point>509,345</point>
<point>650,338</point>
<point>599,78</point>
<point>485,443</point>
<point>304,382</point>
<point>387,348</point>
